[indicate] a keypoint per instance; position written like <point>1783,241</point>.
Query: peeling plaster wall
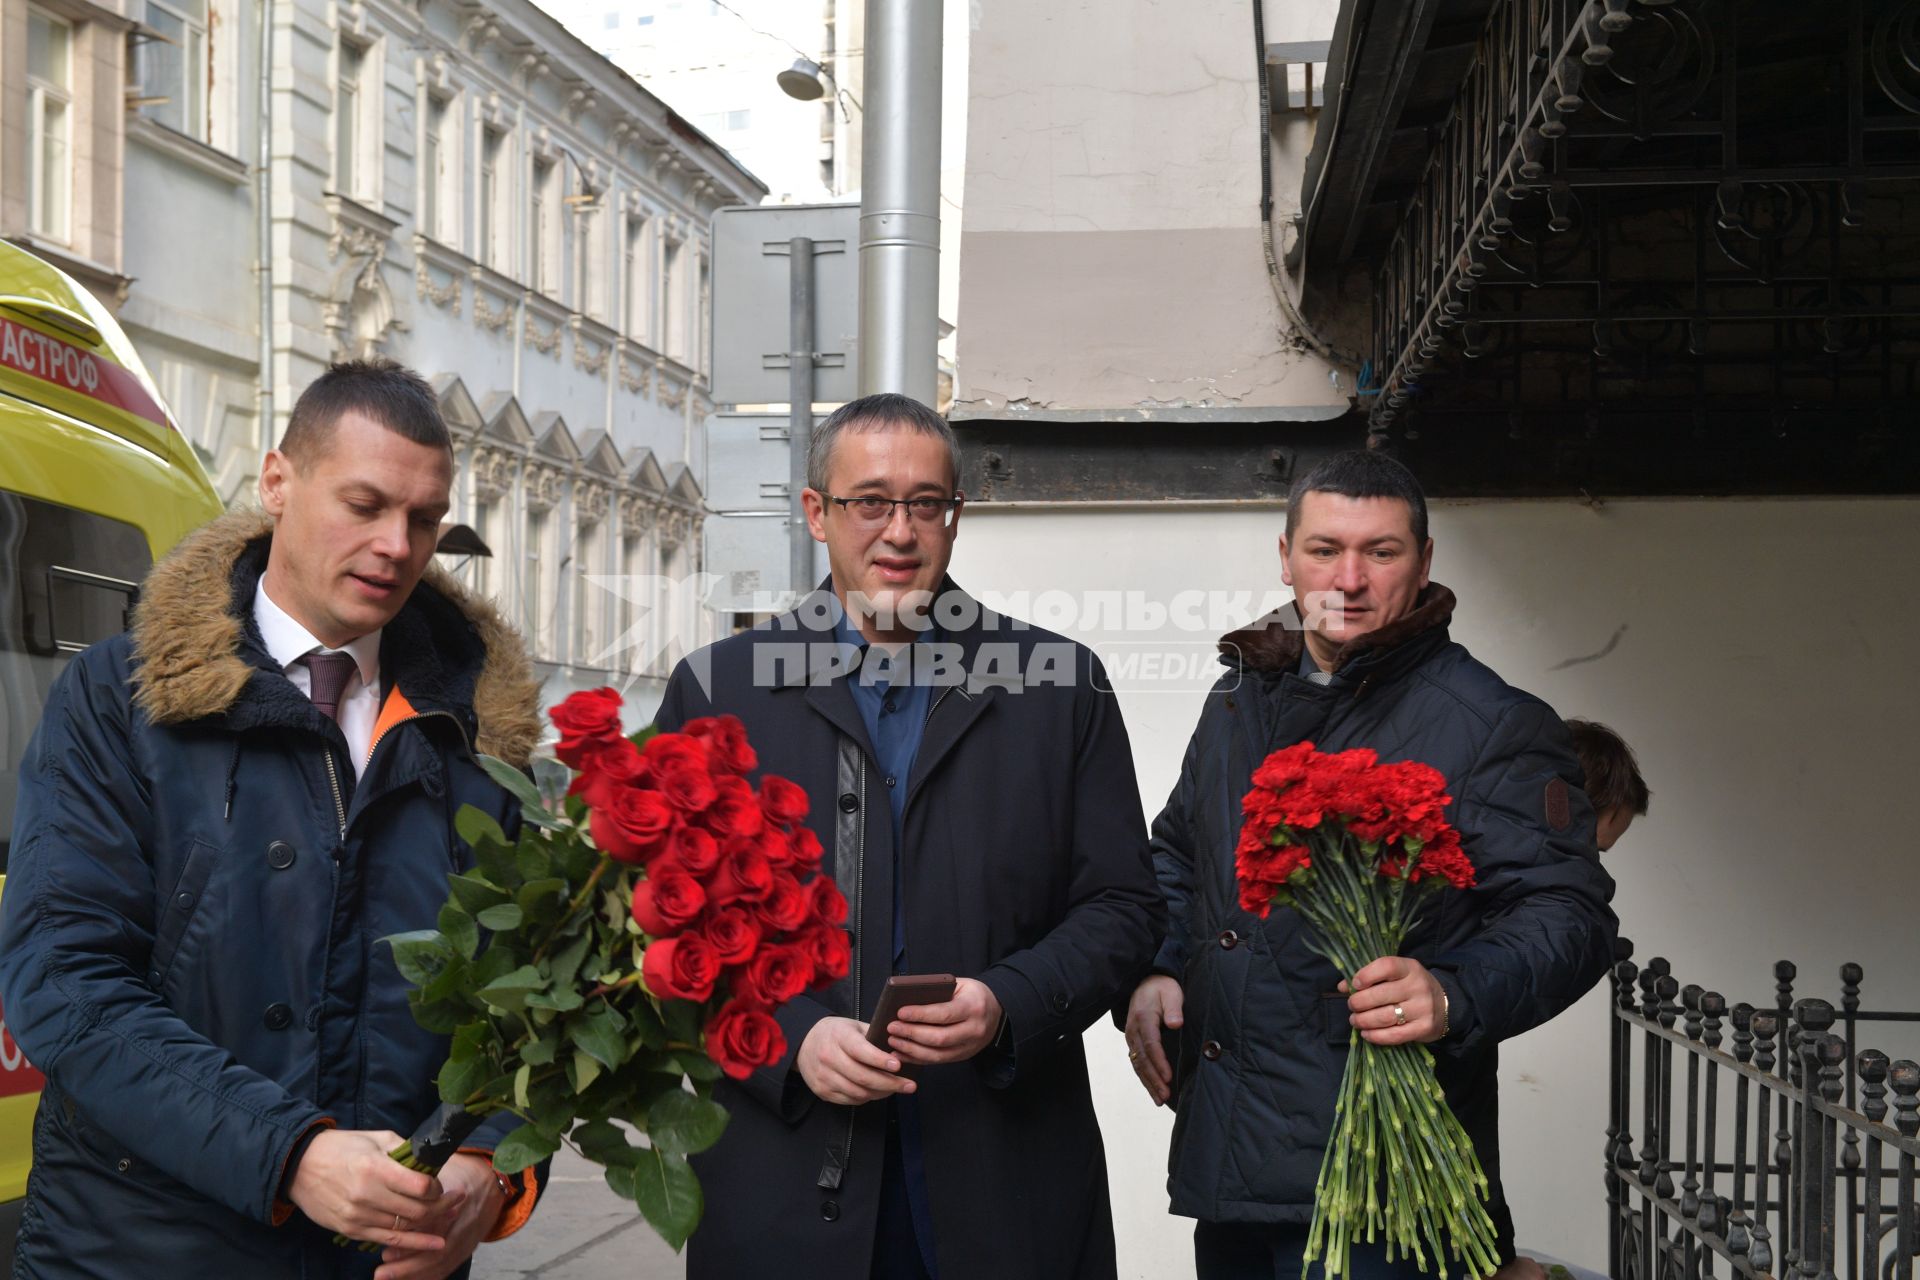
<point>1757,656</point>
<point>1111,253</point>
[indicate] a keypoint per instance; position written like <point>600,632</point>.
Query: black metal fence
<point>1767,1139</point>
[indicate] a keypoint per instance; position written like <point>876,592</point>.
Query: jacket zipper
<point>339,804</point>
<point>859,874</point>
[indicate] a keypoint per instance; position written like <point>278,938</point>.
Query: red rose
<point>776,848</point>
<point>735,811</point>
<point>633,826</point>
<point>784,803</point>
<point>776,975</point>
<point>589,716</point>
<point>668,900</point>
<point>829,904</point>
<point>680,968</point>
<point>742,1037</point>
<point>690,789</point>
<point>734,935</point>
<point>744,875</point>
<point>787,907</point>
<point>695,850</point>
<point>831,951</point>
<point>726,742</point>
<point>605,767</point>
<point>803,850</point>
<point>666,751</point>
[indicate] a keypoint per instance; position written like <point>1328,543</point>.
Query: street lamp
<point>803,80</point>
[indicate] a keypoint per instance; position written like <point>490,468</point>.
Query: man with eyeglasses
<point>973,791</point>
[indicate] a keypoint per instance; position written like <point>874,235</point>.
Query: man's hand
<point>929,1034</point>
<point>841,1067</point>
<point>464,1216</point>
<point>1158,1002</point>
<point>346,1182</point>
<point>1395,982</point>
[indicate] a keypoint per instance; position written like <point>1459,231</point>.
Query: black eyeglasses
<point>873,510</point>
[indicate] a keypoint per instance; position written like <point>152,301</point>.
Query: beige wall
<point>1111,254</point>
<point>1759,655</point>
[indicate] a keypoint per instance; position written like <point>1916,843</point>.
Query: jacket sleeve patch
<point>1559,805</point>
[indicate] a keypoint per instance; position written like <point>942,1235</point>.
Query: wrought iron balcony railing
<point>1774,1149</point>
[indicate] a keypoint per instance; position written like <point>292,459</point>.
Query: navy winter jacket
<point>189,943</point>
<point>1264,1043</point>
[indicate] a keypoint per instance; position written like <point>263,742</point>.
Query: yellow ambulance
<point>96,482</point>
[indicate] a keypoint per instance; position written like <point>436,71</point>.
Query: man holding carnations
<point>972,794</point>
<point>1258,1021</point>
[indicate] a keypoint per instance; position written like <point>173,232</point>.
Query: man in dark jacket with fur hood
<point>1361,659</point>
<point>220,816</point>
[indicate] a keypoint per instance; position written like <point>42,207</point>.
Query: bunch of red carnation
<point>728,889</point>
<point>1302,797</point>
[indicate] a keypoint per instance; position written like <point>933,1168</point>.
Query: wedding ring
<point>396,1224</point>
<point>1133,1055</point>
<point>1399,1016</point>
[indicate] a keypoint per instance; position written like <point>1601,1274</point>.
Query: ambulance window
<point>68,579</point>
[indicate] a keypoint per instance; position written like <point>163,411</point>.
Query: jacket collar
<point>197,653</point>
<point>1273,644</point>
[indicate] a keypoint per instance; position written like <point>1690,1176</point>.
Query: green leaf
<point>523,1147</point>
<point>601,1033</point>
<point>541,1052</point>
<point>698,1067</point>
<point>458,929</point>
<point>562,999</point>
<point>475,893</point>
<point>668,1194</point>
<point>420,955</point>
<point>543,899</point>
<point>604,1142</point>
<point>576,808</point>
<point>468,1065</point>
<point>507,915</point>
<point>520,1078</point>
<point>521,787</point>
<point>646,1021</point>
<point>441,1016</point>
<point>641,737</point>
<point>496,963</point>
<point>510,991</point>
<point>583,1071</point>
<point>532,860</point>
<point>682,1018</point>
<point>477,827</point>
<point>683,1124</point>
<point>451,983</point>
<point>497,864</point>
<point>620,1178</point>
<point>575,858</point>
<point>566,961</point>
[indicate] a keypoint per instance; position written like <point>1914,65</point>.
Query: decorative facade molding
<point>425,262</point>
<point>672,393</point>
<point>545,486</point>
<point>358,311</point>
<point>492,473</point>
<point>636,372</point>
<point>590,503</point>
<point>546,343</point>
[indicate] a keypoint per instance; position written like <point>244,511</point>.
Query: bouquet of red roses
<point>634,940</point>
<point>1357,848</point>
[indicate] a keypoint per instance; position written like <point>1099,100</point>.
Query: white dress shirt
<point>287,642</point>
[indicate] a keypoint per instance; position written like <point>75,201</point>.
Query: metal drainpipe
<point>900,201</point>
<point>263,229</point>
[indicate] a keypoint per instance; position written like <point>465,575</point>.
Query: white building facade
<point>474,192</point>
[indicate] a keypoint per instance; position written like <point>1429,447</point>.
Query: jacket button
<point>848,803</point>
<point>1229,940</point>
<point>278,1017</point>
<point>279,855</point>
<point>123,1164</point>
<point>1230,704</point>
<point>830,1210</point>
<point>184,901</point>
<point>1210,1051</point>
<point>1063,1002</point>
<point>433,785</point>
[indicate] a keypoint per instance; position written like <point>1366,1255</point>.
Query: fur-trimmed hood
<point>1273,643</point>
<point>189,638</point>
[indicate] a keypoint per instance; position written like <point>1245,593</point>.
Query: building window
<point>633,271</point>
<point>50,125</point>
<point>587,596</point>
<point>482,523</point>
<point>348,108</point>
<point>493,149</point>
<point>702,337</point>
<point>436,210</point>
<point>172,69</point>
<point>633,565</point>
<point>540,223</point>
<point>534,611</point>
<point>589,255</point>
<point>676,325</point>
